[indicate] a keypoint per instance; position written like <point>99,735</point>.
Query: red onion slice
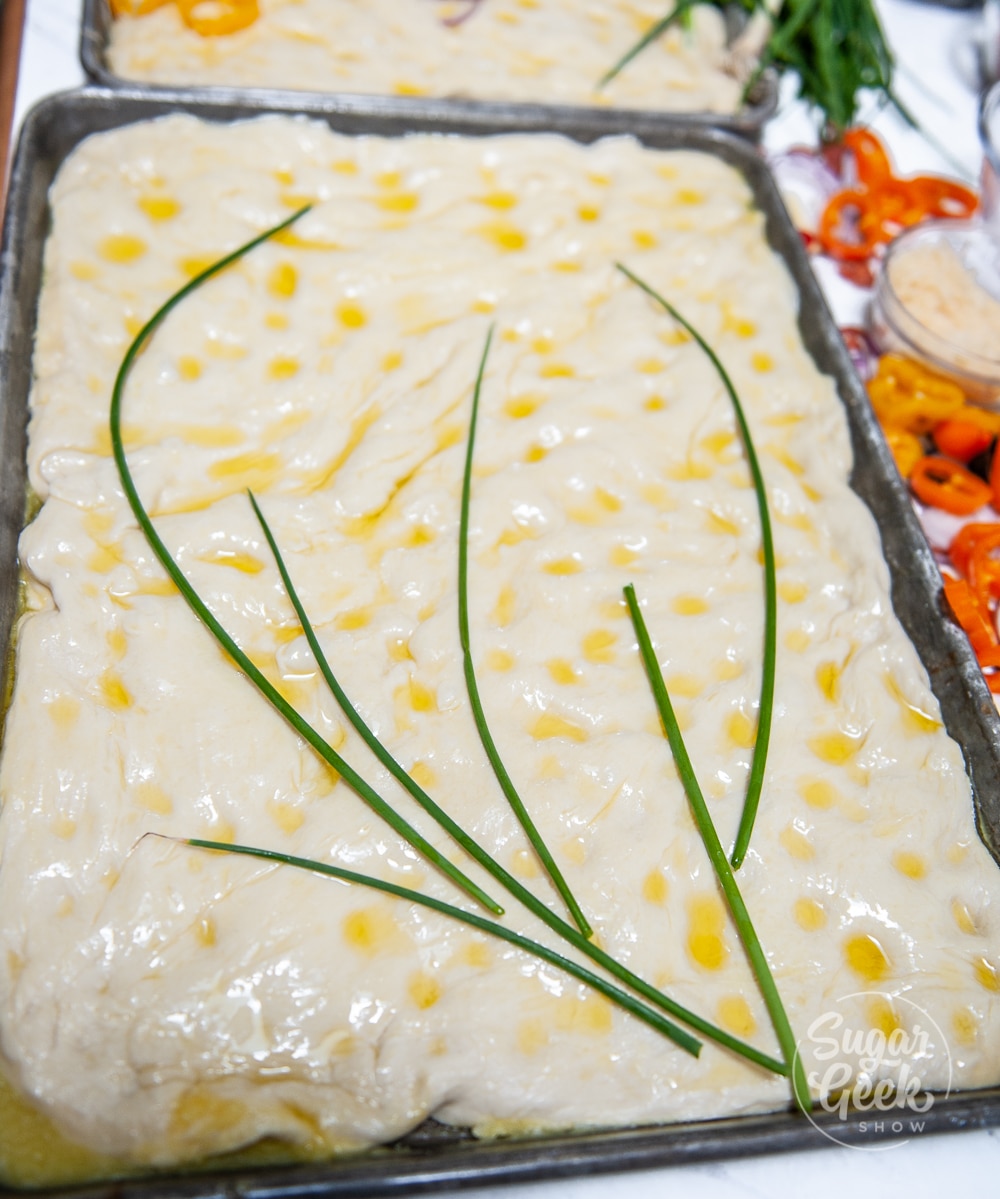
<point>806,182</point>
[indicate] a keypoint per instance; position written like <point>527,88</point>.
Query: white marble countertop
<point>937,81</point>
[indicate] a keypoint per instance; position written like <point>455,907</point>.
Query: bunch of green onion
<point>837,48</point>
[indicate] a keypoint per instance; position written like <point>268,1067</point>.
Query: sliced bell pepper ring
<point>942,483</point>
<point>135,8</point>
<point>906,448</point>
<point>877,205</point>
<point>907,396</point>
<point>849,228</point>
<point>940,197</point>
<point>215,18</point>
<point>915,377</point>
<point>855,222</point>
<point>984,569</point>
<point>916,411</point>
<point>973,552</point>
<point>961,439</point>
<point>871,162</point>
<point>964,542</point>
<point>976,623</point>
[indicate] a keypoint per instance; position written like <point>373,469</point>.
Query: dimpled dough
<point>160,1003</point>
<point>554,51</point>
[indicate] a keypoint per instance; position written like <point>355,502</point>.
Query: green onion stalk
<point>836,48</point>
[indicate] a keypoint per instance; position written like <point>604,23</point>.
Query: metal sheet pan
<point>436,1157</point>
<point>95,35</point>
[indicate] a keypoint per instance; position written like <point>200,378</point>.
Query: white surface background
<point>937,80</point>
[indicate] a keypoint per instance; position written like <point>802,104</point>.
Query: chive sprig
<point>472,684</point>
<point>717,856</point>
<point>652,34</point>
<point>628,1002</point>
<point>207,617</point>
<point>765,708</point>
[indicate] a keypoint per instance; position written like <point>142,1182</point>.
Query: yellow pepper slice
<point>907,396</point>
<point>906,447</point>
<point>135,8</point>
<point>213,18</point>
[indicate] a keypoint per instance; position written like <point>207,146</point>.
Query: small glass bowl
<point>939,282</point>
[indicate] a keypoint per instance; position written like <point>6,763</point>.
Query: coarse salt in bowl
<point>937,299</point>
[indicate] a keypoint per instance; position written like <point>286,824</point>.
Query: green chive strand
<point>201,610</point>
<point>755,782</point>
<point>717,856</point>
<point>472,685</point>
<point>628,1002</point>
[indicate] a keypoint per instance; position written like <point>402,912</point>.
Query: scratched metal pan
<point>95,37</point>
<point>436,1157</point>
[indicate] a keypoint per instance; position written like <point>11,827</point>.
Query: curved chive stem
<point>621,998</point>
<point>652,33</point>
<point>197,605</point>
<point>471,684</point>
<point>513,886</point>
<point>717,855</point>
<point>755,782</point>
<point>432,808</point>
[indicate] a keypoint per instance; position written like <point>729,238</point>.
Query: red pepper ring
<point>984,569</point>
<point>858,220</point>
<point>871,163</point>
<point>963,544</point>
<point>850,227</point>
<point>976,623</point>
<point>972,553</point>
<point>961,439</point>
<point>943,197</point>
<point>876,206</point>
<point>899,205</point>
<point>942,483</point>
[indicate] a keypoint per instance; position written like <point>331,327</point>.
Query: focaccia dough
<point>161,1003</point>
<point>551,51</point>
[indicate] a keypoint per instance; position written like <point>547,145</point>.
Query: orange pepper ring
<point>984,571</point>
<point>871,162</point>
<point>135,8</point>
<point>976,623</point>
<point>944,197</point>
<point>835,218</point>
<point>945,484</point>
<point>884,203</point>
